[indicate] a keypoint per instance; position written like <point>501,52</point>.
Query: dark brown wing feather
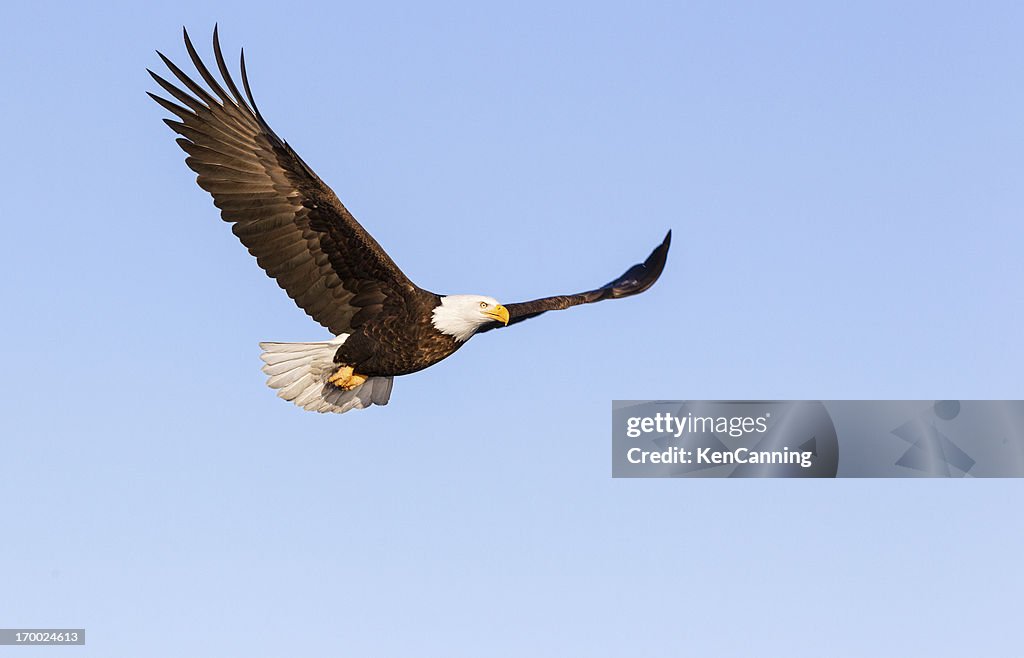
<point>634,281</point>
<point>295,226</point>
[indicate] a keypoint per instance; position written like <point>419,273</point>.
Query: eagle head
<point>461,315</point>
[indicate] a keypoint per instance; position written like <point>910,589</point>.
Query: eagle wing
<point>293,223</point>
<point>634,281</point>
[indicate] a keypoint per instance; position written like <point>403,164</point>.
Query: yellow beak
<point>499,313</point>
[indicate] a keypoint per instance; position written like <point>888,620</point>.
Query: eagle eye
<point>483,304</point>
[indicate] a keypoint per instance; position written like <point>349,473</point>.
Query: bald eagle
<point>303,237</point>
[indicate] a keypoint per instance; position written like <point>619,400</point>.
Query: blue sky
<point>844,187</point>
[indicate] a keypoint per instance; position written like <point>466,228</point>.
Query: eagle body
<point>400,342</point>
<point>303,237</point>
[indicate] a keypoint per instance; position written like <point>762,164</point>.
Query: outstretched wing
<point>295,226</point>
<point>634,281</point>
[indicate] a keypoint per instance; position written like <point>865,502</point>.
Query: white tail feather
<point>300,370</point>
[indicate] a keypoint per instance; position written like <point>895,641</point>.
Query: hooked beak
<point>498,313</point>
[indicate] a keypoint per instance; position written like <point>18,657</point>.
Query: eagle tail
<point>299,372</point>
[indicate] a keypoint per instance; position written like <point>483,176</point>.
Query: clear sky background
<point>844,185</point>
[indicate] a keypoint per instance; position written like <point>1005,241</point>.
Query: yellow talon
<point>341,375</point>
<point>346,379</point>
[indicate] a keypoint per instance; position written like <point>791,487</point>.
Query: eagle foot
<point>346,378</point>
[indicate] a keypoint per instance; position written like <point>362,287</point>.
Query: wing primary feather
<point>205,72</point>
<point>248,94</point>
<point>263,123</point>
<point>194,87</point>
<point>224,73</point>
<point>194,104</point>
<point>173,108</point>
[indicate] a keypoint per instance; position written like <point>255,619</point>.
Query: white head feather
<point>461,315</point>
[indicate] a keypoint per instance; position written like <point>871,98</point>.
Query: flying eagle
<point>303,237</point>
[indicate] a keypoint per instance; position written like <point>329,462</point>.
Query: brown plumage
<point>304,238</point>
